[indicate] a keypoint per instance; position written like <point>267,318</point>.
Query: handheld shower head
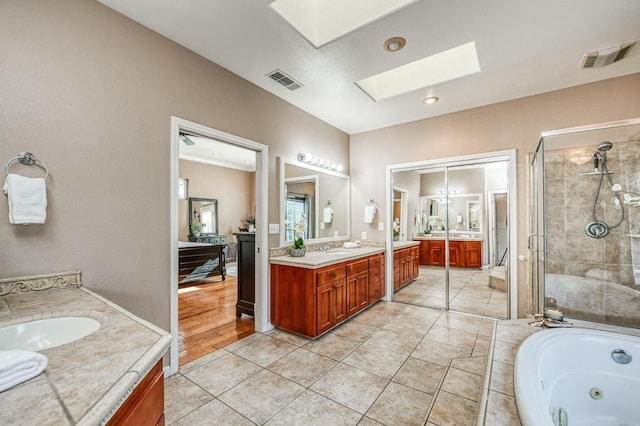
<point>605,146</point>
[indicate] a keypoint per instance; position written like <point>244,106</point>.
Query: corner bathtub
<point>570,377</point>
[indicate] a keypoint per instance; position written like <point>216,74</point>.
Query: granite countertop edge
<point>111,401</point>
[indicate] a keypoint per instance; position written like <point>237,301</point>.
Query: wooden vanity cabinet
<point>462,254</point>
<point>376,278</point>
<point>406,265</point>
<point>473,254</point>
<point>357,286</point>
<point>331,304</point>
<point>145,405</point>
<point>312,301</point>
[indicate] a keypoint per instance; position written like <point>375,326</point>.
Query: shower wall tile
<point>578,216</point>
<point>580,269</point>
<point>554,164</point>
<point>555,220</point>
<point>554,193</point>
<point>580,247</point>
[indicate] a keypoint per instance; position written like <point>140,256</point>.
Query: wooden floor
<point>207,317</point>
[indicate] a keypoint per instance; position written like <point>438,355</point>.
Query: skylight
<point>323,21</point>
<point>444,66</point>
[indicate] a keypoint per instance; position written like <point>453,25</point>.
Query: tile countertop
<point>316,259</point>
<point>85,381</point>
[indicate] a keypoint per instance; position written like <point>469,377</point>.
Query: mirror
<point>464,211</point>
<point>314,202</point>
<point>203,211</point>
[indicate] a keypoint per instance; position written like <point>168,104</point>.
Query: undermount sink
<point>46,333</point>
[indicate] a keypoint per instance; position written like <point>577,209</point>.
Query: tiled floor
<point>394,364</point>
<point>469,291</point>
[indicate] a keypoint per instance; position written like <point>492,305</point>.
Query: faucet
<point>324,248</point>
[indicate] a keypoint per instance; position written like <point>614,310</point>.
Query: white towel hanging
<point>369,214</point>
<point>27,199</point>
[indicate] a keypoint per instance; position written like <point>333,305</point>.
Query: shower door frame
<point>538,263</point>
<point>509,156</point>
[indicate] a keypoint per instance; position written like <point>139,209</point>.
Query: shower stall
<point>584,236</point>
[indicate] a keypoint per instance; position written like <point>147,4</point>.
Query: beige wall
<point>92,93</point>
<point>234,190</point>
<point>515,124</point>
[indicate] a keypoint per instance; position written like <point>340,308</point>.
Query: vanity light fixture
<point>394,44</point>
<point>315,161</point>
<point>451,192</point>
<point>430,100</point>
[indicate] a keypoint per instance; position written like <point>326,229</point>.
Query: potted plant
<point>396,229</point>
<point>195,229</point>
<point>297,249</point>
<point>251,223</point>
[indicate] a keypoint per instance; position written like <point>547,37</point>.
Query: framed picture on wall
<point>183,192</point>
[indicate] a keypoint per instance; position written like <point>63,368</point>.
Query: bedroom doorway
<point>260,152</point>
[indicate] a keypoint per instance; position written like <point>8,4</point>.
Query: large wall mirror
<point>314,203</point>
<point>464,213</point>
<point>204,211</point>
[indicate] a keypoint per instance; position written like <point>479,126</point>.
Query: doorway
<point>180,126</point>
<point>453,226</point>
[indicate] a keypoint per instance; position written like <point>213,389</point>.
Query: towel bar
<point>27,159</point>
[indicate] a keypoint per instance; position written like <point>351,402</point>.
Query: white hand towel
<point>327,215</point>
<point>27,199</point>
<point>19,366</point>
<point>369,213</point>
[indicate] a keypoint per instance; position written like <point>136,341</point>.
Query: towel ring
<point>28,159</point>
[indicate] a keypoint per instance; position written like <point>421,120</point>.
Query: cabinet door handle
<point>332,275</point>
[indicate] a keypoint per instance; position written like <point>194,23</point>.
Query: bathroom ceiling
<point>523,48</point>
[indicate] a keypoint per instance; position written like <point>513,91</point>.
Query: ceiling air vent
<point>282,78</point>
<point>605,57</point>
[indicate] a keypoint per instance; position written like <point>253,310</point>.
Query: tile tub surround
<point>391,364</point>
<point>500,408</point>
<point>87,380</point>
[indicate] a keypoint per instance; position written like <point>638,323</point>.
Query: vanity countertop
<point>85,381</point>
<point>316,259</point>
<point>403,244</point>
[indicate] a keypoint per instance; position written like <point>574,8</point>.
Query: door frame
<point>262,323</point>
<point>492,222</point>
<point>508,155</point>
<point>404,216</point>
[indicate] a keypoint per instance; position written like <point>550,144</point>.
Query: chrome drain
<point>621,356</point>
<point>596,229</point>
<point>595,393</point>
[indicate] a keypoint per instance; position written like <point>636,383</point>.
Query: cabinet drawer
<point>376,274</point>
<point>376,261</point>
<point>357,267</point>
<point>330,274</point>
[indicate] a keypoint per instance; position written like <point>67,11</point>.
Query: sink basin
<point>46,333</point>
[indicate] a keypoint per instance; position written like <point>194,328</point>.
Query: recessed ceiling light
<point>394,44</point>
<point>444,66</point>
<point>431,100</point>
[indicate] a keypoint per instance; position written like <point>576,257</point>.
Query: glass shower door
<point>535,240</point>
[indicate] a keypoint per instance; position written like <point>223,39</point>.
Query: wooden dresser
<point>246,256</point>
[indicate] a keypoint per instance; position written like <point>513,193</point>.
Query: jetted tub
<point>578,377</point>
